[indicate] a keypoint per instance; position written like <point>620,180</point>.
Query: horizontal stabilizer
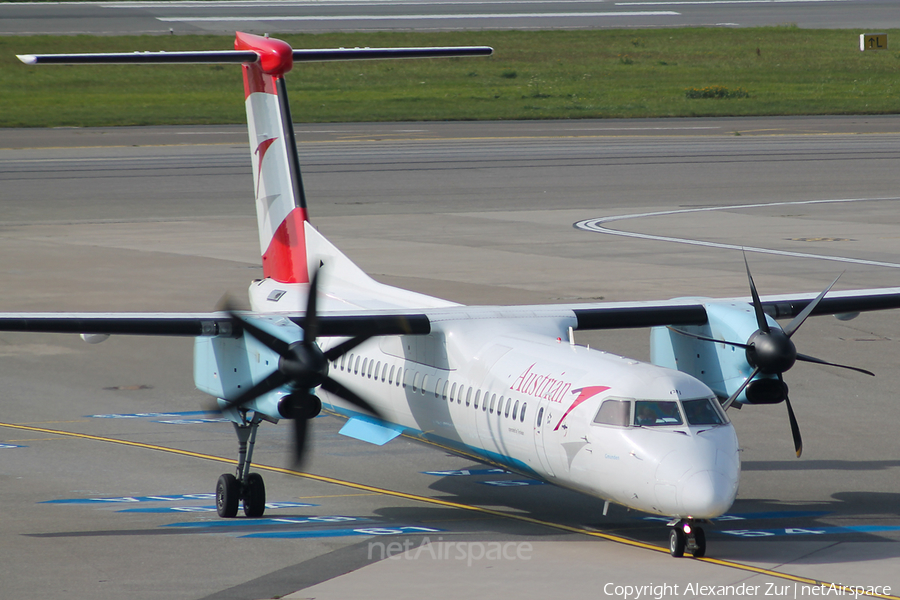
<point>248,56</point>
<point>369,431</point>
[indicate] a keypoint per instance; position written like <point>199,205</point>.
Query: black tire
<point>700,542</point>
<point>254,496</point>
<point>676,542</point>
<point>228,495</point>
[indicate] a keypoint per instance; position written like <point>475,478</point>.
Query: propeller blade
<point>345,347</point>
<point>761,322</point>
<point>300,429</point>
<point>733,397</point>
<point>330,385</point>
<point>819,361</point>
<point>797,321</point>
<point>273,343</point>
<point>706,339</point>
<point>795,428</point>
<point>311,320</point>
<point>275,380</point>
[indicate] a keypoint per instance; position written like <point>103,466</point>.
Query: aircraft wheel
<point>228,494</point>
<point>699,543</point>
<point>676,542</point>
<point>254,496</point>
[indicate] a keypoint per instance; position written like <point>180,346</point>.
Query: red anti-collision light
<point>275,57</point>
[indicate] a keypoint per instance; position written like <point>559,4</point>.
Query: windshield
<point>701,412</point>
<point>652,413</point>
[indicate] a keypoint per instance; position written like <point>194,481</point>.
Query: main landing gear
<point>244,485</point>
<point>686,534</point>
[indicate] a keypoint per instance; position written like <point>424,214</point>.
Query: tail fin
<point>278,186</point>
<point>280,202</point>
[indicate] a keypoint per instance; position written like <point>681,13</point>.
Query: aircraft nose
<point>708,494</point>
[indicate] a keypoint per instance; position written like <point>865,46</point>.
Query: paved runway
<point>295,16</point>
<point>106,460</point>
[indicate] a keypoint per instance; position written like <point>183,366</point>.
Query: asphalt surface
<point>130,18</point>
<point>105,448</point>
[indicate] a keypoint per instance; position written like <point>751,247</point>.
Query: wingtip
<point>28,59</point>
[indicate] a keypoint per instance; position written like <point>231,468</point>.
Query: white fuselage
<point>526,400</point>
<point>505,386</point>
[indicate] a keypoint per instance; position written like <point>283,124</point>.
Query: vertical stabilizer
<point>280,201</point>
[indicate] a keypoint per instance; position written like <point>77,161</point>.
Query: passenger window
<point>444,392</point>
<point>468,396</point>
<point>342,361</point>
<point>508,402</point>
<point>415,383</point>
<point>522,416</point>
<point>437,388</point>
<point>365,360</point>
<point>515,410</point>
<point>391,377</point>
<point>484,405</point>
<point>477,397</point>
<point>401,377</point>
<point>453,392</point>
<point>350,362</point>
<point>654,413</point>
<point>369,374</point>
<point>614,412</point>
<point>701,412</point>
<point>424,384</point>
<point>384,373</point>
<point>377,368</point>
<point>539,417</point>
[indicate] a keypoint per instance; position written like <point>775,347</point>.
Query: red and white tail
<point>288,244</point>
<point>280,202</point>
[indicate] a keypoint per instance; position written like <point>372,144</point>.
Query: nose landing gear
<point>686,534</point>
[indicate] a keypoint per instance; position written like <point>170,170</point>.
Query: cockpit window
<point>614,412</point>
<point>701,412</point>
<point>654,413</point>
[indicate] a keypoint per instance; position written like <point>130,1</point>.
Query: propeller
<point>303,366</point>
<point>770,351</point>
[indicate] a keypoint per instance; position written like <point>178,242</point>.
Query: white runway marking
<point>708,2</point>
<point>598,226</point>
<point>648,13</point>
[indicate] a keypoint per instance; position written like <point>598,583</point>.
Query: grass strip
<point>533,75</point>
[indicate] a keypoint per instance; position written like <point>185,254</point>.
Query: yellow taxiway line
<point>449,504</point>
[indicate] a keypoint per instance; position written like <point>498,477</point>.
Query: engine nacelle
<point>224,366</point>
<point>720,366</point>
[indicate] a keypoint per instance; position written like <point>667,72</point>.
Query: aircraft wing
<point>606,315</point>
<point>204,324</point>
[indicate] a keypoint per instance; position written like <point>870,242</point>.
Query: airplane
<point>503,385</point>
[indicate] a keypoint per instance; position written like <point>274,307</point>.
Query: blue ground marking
<point>155,415</point>
<point>208,509</point>
<point>362,531</point>
<point>783,514</point>
<point>759,533</point>
<point>193,421</point>
<point>130,499</point>
<point>10,446</point>
<point>463,472</point>
<point>266,522</point>
<point>512,483</point>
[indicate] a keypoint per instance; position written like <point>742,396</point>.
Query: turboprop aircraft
<point>497,384</point>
